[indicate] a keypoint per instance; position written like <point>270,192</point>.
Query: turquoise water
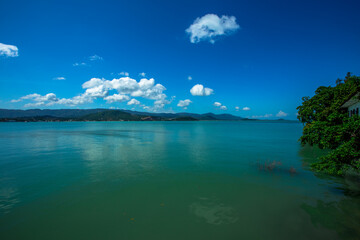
<point>168,180</point>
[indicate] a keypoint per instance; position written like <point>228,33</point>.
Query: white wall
<point>352,107</point>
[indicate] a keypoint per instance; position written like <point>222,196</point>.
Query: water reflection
<point>342,216</point>
<point>341,213</point>
<point>8,198</point>
<point>212,212</point>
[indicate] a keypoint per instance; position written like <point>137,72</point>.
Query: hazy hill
<point>110,115</point>
<point>63,113</point>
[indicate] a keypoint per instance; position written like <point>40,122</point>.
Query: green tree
<point>329,126</point>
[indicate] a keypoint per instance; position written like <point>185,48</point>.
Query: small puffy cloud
<point>77,64</point>
<point>220,106</point>
<point>184,103</point>
<point>126,74</point>
<point>210,27</point>
<point>217,104</point>
<point>189,78</point>
<point>133,102</point>
<point>8,50</point>
<point>199,90</point>
<point>142,74</point>
<point>95,58</point>
<point>59,78</point>
<point>281,114</point>
<point>237,108</point>
<point>246,109</point>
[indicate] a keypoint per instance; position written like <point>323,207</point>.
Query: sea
<point>169,180</point>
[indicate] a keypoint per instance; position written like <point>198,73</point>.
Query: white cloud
<point>133,102</point>
<point>79,64</point>
<point>199,90</point>
<point>124,85</point>
<point>142,74</point>
<point>262,116</point>
<point>59,78</point>
<point>38,98</point>
<point>37,104</point>
<point>95,58</point>
<point>189,78</point>
<point>94,82</point>
<point>210,26</point>
<point>217,104</point>
<point>281,114</point>
<point>220,106</point>
<point>8,50</point>
<point>246,109</point>
<point>184,103</point>
<point>77,100</point>
<point>126,74</point>
<point>116,98</point>
<point>101,88</point>
<point>97,91</point>
<point>237,108</point>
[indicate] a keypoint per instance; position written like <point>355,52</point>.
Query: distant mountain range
<point>106,115</point>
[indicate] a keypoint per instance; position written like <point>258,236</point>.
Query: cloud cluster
<point>281,114</point>
<point>220,106</point>
<point>126,74</point>
<point>77,64</point>
<point>184,103</point>
<point>95,58</point>
<point>200,90</point>
<point>244,108</point>
<point>210,26</point>
<point>95,88</point>
<point>8,50</point>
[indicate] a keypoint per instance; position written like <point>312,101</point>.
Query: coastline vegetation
<point>329,126</point>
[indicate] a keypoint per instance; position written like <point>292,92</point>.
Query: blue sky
<point>262,55</point>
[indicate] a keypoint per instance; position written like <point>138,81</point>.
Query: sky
<point>252,59</point>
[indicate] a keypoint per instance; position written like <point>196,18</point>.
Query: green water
<point>168,180</point>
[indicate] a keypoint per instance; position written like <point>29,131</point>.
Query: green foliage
<point>329,126</point>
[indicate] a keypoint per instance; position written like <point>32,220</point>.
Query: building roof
<point>352,100</point>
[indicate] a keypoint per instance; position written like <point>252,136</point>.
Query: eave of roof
<point>352,100</point>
